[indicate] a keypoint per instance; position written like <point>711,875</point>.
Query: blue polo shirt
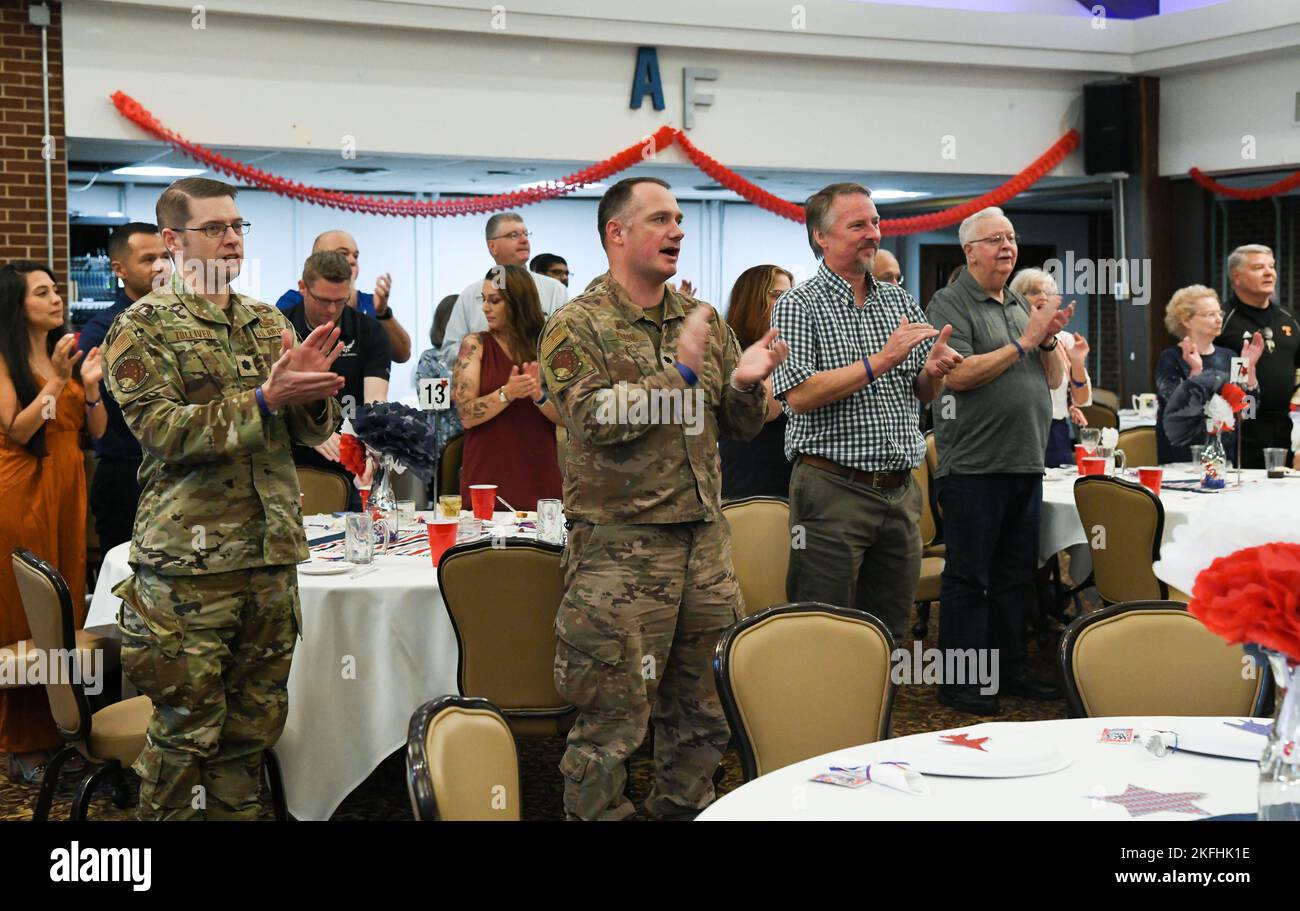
<point>292,298</point>
<point>117,442</point>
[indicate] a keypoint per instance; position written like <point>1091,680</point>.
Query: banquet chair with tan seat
<point>323,492</point>
<point>502,597</point>
<point>110,739</point>
<point>1105,397</point>
<point>1123,524</point>
<point>1139,445</point>
<point>449,467</point>
<point>1099,415</point>
<point>803,679</point>
<point>1154,658</point>
<point>932,550</point>
<point>760,549</point>
<point>461,762</point>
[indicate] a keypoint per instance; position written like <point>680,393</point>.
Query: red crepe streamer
<point>645,150</point>
<point>1277,188</point>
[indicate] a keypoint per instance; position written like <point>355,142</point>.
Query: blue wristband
<point>871,374</point>
<point>1018,348</point>
<point>687,373</point>
<point>261,402</point>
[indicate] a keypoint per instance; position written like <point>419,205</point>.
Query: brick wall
<point>1239,222</point>
<point>22,167</point>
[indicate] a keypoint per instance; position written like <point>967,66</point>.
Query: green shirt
<point>219,491</point>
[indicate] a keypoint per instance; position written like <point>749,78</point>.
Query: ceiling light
<point>153,170</point>
<point>886,195</point>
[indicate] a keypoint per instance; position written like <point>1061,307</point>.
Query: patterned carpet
<point>383,795</point>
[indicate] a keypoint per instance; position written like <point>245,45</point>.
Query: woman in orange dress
<point>44,405</point>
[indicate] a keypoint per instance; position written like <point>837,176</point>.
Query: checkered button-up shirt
<point>874,429</point>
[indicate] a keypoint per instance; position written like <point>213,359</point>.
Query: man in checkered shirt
<point>862,362</point>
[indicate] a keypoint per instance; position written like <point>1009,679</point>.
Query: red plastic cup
<point>484,499</point>
<point>442,535</point>
<point>365,498</point>
<point>1094,465</point>
<point>1080,453</point>
<point>1150,478</point>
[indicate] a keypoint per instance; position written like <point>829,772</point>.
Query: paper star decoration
<point>1253,727</point>
<point>1142,802</point>
<point>965,740</point>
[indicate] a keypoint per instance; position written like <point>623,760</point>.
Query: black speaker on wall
<point>1110,127</point>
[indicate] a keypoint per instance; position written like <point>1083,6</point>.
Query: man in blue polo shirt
<point>372,305</point>
<point>139,259</point>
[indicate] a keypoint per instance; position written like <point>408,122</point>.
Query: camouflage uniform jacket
<point>219,491</point>
<point>624,463</point>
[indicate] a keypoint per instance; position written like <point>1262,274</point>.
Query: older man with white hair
<point>991,432</point>
<point>1253,274</point>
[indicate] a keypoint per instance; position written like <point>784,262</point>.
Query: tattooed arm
<point>474,409</point>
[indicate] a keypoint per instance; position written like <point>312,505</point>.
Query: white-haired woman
<point>1075,389</point>
<point>1194,317</point>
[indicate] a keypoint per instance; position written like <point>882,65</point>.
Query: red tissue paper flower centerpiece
<point>352,454</point>
<point>1253,595</point>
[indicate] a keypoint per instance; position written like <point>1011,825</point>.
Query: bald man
<point>373,305</point>
<point>885,268</point>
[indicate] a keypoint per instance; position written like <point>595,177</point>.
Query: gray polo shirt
<point>1001,427</point>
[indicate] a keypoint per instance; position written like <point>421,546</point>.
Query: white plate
<point>1001,754</point>
<point>324,567</point>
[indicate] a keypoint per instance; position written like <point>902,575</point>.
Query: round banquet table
<point>376,645</point>
<point>1096,770</point>
<point>1059,526</point>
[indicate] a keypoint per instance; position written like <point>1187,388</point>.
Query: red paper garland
<point>643,151</point>
<point>1277,188</point>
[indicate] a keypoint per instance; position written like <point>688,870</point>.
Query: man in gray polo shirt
<point>862,360</point>
<point>991,432</point>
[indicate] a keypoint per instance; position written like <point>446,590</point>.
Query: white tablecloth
<point>1096,770</point>
<point>1059,525</point>
<point>389,626</point>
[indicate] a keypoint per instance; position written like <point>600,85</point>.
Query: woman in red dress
<point>44,405</point>
<point>509,421</point>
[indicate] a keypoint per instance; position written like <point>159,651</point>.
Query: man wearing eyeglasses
<point>372,305</point>
<point>1253,273</point>
<point>364,361</point>
<point>507,243</point>
<point>991,431</point>
<point>552,265</point>
<point>215,387</point>
<point>885,268</point>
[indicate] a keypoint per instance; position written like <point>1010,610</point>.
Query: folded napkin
<point>1245,740</point>
<point>896,775</point>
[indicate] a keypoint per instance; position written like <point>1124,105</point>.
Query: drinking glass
<point>550,521</point>
<point>1089,437</point>
<point>1274,459</point>
<point>359,538</point>
<point>449,506</point>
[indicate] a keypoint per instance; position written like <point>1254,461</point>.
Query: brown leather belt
<point>885,480</point>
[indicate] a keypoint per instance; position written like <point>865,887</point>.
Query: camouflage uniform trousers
<point>643,610</point>
<point>212,652</point>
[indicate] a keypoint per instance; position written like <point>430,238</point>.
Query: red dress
<point>516,449</point>
<point>44,512</point>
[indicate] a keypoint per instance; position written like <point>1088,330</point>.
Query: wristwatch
<point>501,394</point>
<point>387,314</point>
<point>1052,347</point>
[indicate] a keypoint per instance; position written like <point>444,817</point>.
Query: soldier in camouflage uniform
<point>212,386</point>
<point>644,379</point>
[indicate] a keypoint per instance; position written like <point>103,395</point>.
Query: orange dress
<point>43,509</point>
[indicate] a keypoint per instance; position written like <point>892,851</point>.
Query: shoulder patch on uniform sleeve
<point>558,336</point>
<point>119,345</point>
<point>130,373</point>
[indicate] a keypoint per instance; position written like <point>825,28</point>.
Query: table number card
<point>1238,371</point>
<point>434,393</point>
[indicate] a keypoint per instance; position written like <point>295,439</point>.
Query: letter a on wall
<point>646,80</point>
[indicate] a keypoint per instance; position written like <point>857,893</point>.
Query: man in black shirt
<point>364,363</point>
<point>1253,274</point>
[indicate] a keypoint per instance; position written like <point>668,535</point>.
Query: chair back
<point>461,763</point>
<point>1123,523</point>
<point>932,465</point>
<point>1154,658</point>
<point>322,491</point>
<point>929,528</point>
<point>1105,398</point>
<point>449,466</point>
<point>803,679</point>
<point>1139,445</point>
<point>760,549</point>
<point>502,597</point>
<point>1100,415</point>
<point>48,605</point>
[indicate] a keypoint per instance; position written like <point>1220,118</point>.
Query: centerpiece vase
<point>1279,767</point>
<point>383,504</point>
<point>1214,462</point>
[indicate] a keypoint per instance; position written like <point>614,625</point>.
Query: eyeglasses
<point>337,302</point>
<point>995,240</point>
<point>218,229</point>
<point>513,235</point>
<point>558,273</point>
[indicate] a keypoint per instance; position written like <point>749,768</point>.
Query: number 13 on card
<point>435,393</point>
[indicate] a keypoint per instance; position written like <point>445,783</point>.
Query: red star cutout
<point>1141,801</point>
<point>965,740</point>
